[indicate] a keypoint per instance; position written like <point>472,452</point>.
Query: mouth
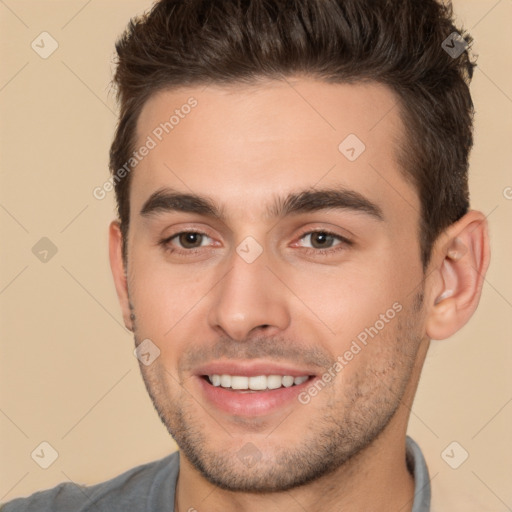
<point>252,389</point>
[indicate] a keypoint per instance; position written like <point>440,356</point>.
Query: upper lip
<point>251,369</point>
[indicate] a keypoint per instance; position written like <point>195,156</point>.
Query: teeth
<point>238,382</point>
<point>274,381</point>
<point>257,383</point>
<point>288,381</point>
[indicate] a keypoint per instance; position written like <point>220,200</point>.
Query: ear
<point>461,258</point>
<point>119,271</point>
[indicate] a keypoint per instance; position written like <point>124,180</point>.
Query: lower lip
<point>258,403</point>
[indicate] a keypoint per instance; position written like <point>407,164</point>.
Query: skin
<point>296,303</point>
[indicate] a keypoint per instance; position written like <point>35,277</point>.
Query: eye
<point>322,240</point>
<point>190,239</point>
<point>186,241</point>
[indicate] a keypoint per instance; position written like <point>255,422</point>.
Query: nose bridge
<point>248,295</point>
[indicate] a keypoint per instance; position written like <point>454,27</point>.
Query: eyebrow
<point>167,200</point>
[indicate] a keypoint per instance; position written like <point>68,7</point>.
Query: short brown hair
<point>398,43</point>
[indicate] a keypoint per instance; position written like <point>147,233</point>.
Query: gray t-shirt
<point>151,487</point>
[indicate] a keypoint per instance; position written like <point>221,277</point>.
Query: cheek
<point>348,299</point>
<point>164,296</point>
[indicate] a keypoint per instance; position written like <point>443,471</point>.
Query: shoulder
<point>130,490</point>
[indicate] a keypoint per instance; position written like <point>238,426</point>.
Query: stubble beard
<point>355,415</point>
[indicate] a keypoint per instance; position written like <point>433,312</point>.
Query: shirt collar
<point>418,468</point>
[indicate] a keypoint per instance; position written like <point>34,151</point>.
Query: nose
<point>249,297</point>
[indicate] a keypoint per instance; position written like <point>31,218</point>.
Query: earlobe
<point>461,266</point>
<point>119,271</point>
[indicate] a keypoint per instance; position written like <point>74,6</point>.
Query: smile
<point>257,382</point>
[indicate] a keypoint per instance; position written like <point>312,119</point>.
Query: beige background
<point>68,374</point>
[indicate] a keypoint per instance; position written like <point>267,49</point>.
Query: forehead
<point>238,144</point>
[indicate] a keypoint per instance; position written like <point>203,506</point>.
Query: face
<point>278,273</point>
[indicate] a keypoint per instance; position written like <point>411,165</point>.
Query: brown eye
<point>320,239</point>
<point>187,243</point>
<point>190,240</point>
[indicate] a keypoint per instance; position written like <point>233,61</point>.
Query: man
<point>294,229</point>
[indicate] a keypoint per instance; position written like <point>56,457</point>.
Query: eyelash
<point>308,251</point>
